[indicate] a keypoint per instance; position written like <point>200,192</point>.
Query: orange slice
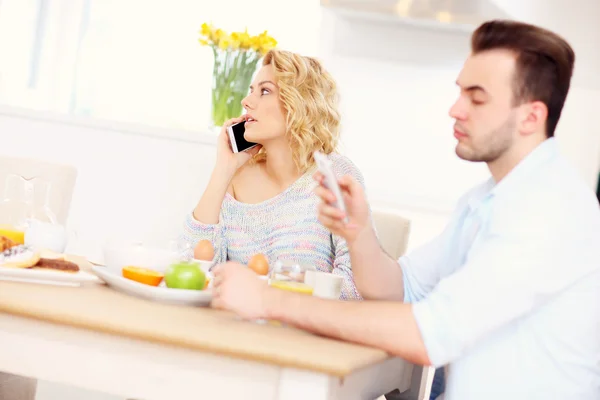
<point>143,275</point>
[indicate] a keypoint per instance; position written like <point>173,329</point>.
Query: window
<point>131,60</point>
<point>19,20</point>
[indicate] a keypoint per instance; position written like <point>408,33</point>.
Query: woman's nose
<point>246,102</point>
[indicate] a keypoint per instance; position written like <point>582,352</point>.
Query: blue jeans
<point>438,385</point>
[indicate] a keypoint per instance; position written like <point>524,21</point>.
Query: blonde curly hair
<point>310,99</point>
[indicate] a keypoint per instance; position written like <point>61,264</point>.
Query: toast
<point>6,243</point>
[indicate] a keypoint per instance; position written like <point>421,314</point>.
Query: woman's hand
<point>209,207</point>
<point>227,160</point>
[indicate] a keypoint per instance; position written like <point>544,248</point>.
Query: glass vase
<point>231,78</point>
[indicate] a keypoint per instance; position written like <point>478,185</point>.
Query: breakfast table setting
<point>139,325</point>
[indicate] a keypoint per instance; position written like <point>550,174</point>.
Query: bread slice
<point>19,256</point>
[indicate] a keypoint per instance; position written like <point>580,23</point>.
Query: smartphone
<point>325,167</point>
<point>236,138</point>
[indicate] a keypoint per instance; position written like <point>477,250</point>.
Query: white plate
<point>46,276</point>
<point>157,293</point>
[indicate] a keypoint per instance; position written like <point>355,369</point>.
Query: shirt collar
<point>545,150</point>
<point>531,162</point>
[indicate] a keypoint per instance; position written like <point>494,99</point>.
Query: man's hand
<point>377,276</point>
<point>237,288</point>
<point>357,209</point>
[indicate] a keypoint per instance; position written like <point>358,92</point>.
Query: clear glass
<point>289,275</point>
<point>24,199</point>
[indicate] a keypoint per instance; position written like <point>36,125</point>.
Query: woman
<point>262,200</point>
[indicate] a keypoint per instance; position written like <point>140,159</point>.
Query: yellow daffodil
<point>224,42</point>
<point>217,38</point>
<point>240,40</point>
<point>235,40</point>
<point>245,40</point>
<point>217,35</point>
<point>205,29</point>
<point>255,43</point>
<point>267,43</point>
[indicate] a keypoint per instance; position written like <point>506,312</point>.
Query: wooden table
<point>96,338</point>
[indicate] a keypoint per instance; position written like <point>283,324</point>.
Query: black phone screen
<point>238,133</point>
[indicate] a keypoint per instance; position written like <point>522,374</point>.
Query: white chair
<point>62,178</point>
<point>393,231</point>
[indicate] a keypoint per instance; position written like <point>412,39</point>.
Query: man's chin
<point>460,152</point>
<point>465,154</point>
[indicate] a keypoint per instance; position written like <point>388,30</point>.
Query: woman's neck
<point>279,163</point>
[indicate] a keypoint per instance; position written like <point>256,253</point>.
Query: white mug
<point>309,277</point>
<point>325,285</point>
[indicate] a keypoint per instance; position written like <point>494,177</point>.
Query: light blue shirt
<point>509,294</point>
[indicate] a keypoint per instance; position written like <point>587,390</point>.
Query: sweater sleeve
<point>195,231</point>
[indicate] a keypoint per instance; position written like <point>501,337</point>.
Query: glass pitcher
<point>23,199</point>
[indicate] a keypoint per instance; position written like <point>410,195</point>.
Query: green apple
<point>185,275</point>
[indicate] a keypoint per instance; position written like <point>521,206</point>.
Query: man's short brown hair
<point>544,63</point>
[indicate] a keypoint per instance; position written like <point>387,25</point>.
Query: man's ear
<point>532,117</point>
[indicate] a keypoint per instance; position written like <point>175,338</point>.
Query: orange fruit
<point>259,264</point>
<point>143,275</point>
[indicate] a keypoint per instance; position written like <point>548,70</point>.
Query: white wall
<point>576,21</point>
<point>397,84</point>
<point>128,184</point>
<point>396,129</point>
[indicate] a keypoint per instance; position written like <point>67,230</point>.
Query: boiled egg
<point>259,264</point>
<point>204,250</point>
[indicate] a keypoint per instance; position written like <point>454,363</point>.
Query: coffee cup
<point>325,285</point>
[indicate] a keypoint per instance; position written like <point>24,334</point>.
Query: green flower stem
<point>232,74</point>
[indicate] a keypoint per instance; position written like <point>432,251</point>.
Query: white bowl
<point>117,256</point>
<point>205,265</point>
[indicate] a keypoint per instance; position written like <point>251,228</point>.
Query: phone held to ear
<point>325,167</point>
<point>236,138</point>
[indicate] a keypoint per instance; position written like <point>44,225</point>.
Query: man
<point>508,295</point>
